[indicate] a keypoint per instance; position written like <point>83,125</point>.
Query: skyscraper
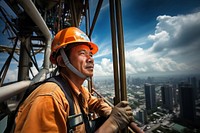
<point>198,90</point>
<point>187,102</point>
<point>167,97</point>
<point>175,95</point>
<point>193,82</point>
<point>150,96</point>
<point>141,115</point>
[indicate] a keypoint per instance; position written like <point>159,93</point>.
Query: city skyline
<point>173,97</point>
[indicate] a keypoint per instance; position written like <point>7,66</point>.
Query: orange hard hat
<point>68,36</point>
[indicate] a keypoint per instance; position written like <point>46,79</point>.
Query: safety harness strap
<point>73,119</point>
<point>86,120</point>
<point>63,84</point>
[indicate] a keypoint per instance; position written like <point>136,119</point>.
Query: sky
<point>160,37</point>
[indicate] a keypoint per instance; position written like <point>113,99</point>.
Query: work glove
<point>121,115</point>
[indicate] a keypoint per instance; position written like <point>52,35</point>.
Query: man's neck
<point>73,77</point>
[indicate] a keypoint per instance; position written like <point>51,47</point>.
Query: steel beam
<point>121,49</point>
<point>13,89</point>
<point>24,60</point>
<point>95,17</point>
<point>114,53</point>
<point>34,14</point>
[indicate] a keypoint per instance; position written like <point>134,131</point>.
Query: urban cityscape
<point>160,104</point>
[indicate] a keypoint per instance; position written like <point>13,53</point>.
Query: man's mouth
<point>89,67</point>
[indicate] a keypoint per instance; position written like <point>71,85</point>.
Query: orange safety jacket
<point>46,109</point>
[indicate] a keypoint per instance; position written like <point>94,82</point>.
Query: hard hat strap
<point>70,66</point>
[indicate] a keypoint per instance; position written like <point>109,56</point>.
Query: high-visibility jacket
<point>46,109</point>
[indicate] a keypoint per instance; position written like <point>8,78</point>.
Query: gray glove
<point>121,115</point>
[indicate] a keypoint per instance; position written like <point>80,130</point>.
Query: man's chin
<point>89,74</point>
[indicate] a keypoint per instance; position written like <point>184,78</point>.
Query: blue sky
<point>160,37</point>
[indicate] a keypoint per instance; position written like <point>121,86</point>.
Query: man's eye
<point>86,53</point>
<point>82,52</point>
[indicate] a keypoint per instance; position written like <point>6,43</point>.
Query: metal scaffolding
<point>45,19</point>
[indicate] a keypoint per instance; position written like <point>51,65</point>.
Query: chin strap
<point>69,65</point>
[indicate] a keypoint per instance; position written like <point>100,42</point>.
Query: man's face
<point>81,58</point>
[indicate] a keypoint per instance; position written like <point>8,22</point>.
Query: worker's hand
<point>121,115</point>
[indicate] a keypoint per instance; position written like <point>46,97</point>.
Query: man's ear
<point>60,61</point>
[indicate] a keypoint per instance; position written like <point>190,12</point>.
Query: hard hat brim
<point>94,49</point>
<point>69,36</point>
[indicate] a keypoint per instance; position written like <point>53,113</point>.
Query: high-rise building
<point>150,96</point>
<point>175,96</point>
<point>167,97</point>
<point>198,90</point>
<point>193,82</point>
<point>141,116</point>
<point>187,102</point>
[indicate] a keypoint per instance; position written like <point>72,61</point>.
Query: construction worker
<point>47,109</point>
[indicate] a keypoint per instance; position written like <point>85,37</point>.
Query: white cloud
<point>178,38</point>
<point>105,68</point>
<point>145,61</point>
<point>176,32</point>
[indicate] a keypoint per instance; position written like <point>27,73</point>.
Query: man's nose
<point>90,58</point>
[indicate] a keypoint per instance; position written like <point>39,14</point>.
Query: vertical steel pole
<point>121,53</point>
<point>86,17</point>
<point>121,50</point>
<point>59,18</point>
<point>114,52</point>
<point>95,16</point>
<point>73,12</point>
<point>87,20</point>
<point>24,60</point>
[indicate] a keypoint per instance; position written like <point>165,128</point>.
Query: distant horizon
<point>163,75</point>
